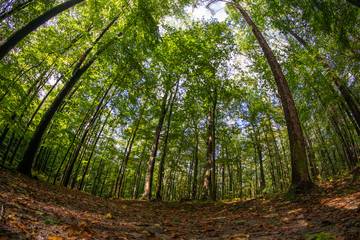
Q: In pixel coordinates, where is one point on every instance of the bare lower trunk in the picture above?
(205, 191)
(300, 182)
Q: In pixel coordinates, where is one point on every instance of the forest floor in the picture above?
(31, 209)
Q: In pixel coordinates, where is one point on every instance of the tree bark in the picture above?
(300, 182)
(196, 163)
(31, 26)
(162, 161)
(213, 175)
(205, 190)
(150, 171)
(128, 151)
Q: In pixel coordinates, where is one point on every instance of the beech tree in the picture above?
(113, 97)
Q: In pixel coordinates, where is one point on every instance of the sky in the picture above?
(203, 12)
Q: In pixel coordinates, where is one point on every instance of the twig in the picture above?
(2, 213)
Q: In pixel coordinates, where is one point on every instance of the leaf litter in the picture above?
(31, 209)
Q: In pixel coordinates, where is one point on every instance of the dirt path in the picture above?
(32, 209)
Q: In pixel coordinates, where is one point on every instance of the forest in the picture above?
(139, 111)
(139, 100)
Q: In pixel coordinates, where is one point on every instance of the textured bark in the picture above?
(300, 181)
(150, 171)
(25, 30)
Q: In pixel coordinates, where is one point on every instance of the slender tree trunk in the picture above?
(16, 8)
(128, 151)
(213, 175)
(93, 150)
(259, 151)
(163, 155)
(205, 190)
(98, 173)
(196, 163)
(150, 171)
(355, 2)
(345, 92)
(31, 26)
(84, 135)
(300, 182)
(28, 158)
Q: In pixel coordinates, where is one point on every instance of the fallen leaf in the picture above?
(174, 235)
(86, 234)
(51, 237)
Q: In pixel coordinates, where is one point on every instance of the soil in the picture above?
(31, 209)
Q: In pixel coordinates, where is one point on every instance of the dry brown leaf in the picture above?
(86, 234)
(174, 235)
(52, 237)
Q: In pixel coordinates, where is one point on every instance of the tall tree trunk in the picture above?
(205, 190)
(28, 158)
(128, 151)
(163, 155)
(150, 171)
(93, 150)
(345, 92)
(259, 151)
(31, 26)
(83, 137)
(355, 2)
(300, 181)
(213, 175)
(196, 163)
(14, 9)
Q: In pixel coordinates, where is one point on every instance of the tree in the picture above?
(301, 182)
(8, 44)
(80, 68)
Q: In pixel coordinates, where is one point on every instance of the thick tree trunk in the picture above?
(300, 182)
(150, 171)
(25, 30)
